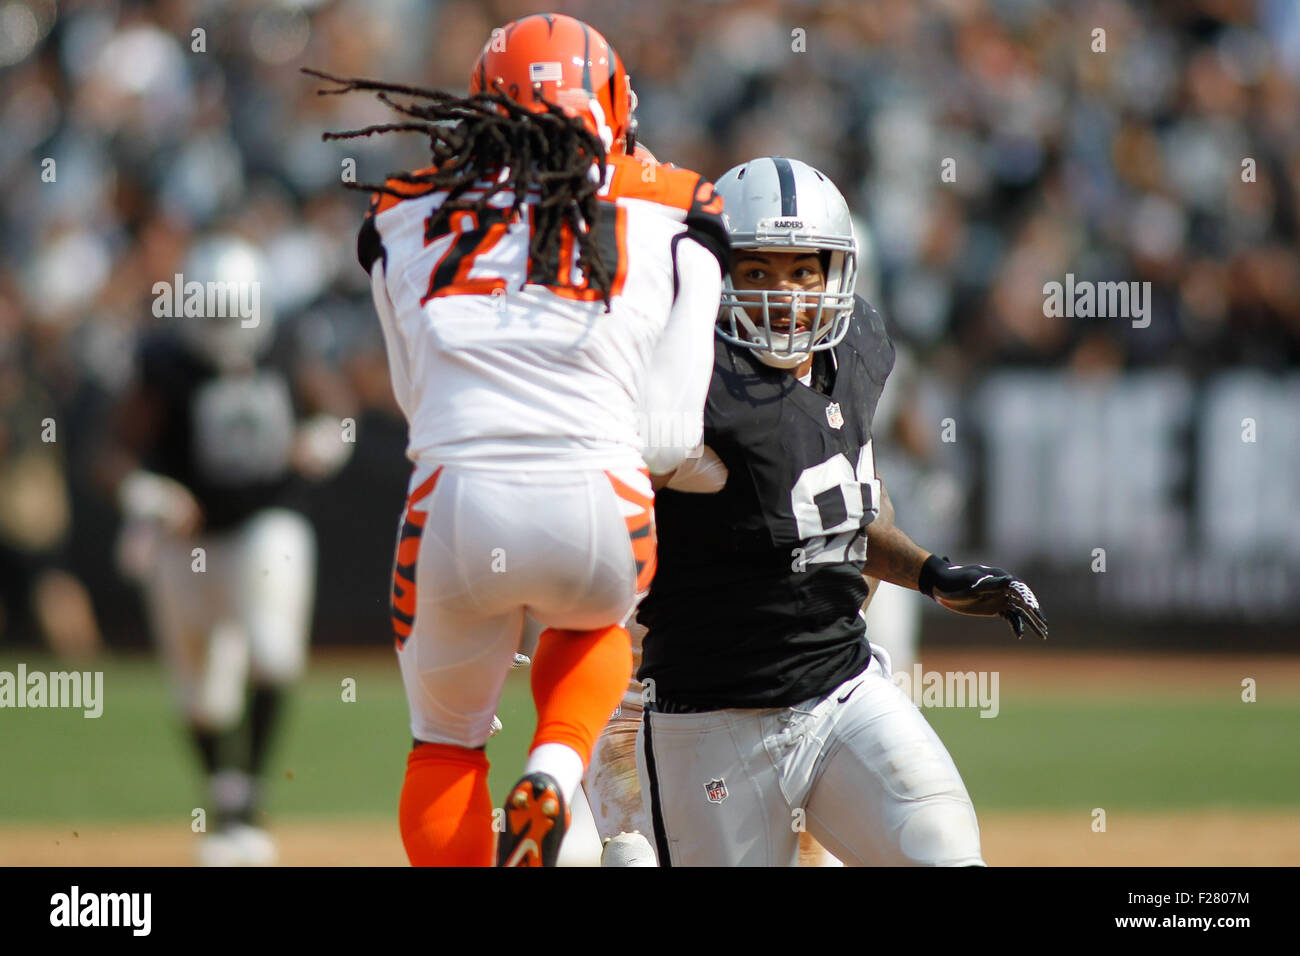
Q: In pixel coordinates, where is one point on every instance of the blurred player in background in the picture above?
(763, 696)
(211, 443)
(543, 294)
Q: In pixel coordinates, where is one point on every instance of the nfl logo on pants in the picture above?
(716, 790)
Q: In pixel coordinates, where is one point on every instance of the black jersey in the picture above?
(755, 602)
(227, 437)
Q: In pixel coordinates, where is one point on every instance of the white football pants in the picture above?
(478, 549)
(860, 769)
(233, 604)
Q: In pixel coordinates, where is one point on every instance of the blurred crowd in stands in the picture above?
(1145, 141)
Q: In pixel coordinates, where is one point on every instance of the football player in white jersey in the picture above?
(547, 301)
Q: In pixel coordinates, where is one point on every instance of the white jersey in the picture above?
(496, 371)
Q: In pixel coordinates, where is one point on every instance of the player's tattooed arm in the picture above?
(891, 555)
(967, 589)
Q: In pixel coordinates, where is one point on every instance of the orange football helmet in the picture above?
(556, 59)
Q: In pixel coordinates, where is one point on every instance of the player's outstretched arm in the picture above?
(678, 380)
(967, 589)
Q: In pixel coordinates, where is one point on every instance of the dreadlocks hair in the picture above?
(473, 139)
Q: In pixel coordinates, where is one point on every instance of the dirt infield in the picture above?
(1186, 838)
(1203, 838)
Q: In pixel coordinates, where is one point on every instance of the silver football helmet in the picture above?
(225, 319)
(783, 205)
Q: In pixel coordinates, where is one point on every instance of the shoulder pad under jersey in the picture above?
(683, 194)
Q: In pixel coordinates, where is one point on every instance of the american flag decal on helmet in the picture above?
(545, 72)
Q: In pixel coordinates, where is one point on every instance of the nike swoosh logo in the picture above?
(849, 694)
(525, 846)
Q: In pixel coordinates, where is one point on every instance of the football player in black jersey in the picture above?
(210, 448)
(767, 710)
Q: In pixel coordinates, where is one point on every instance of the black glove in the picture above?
(979, 589)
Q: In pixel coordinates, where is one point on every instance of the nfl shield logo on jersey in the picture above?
(834, 416)
(716, 790)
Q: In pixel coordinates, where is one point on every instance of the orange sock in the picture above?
(578, 678)
(446, 809)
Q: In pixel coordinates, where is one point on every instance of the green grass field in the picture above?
(335, 758)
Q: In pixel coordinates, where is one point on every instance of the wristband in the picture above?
(930, 574)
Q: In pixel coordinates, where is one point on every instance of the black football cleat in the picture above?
(536, 820)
